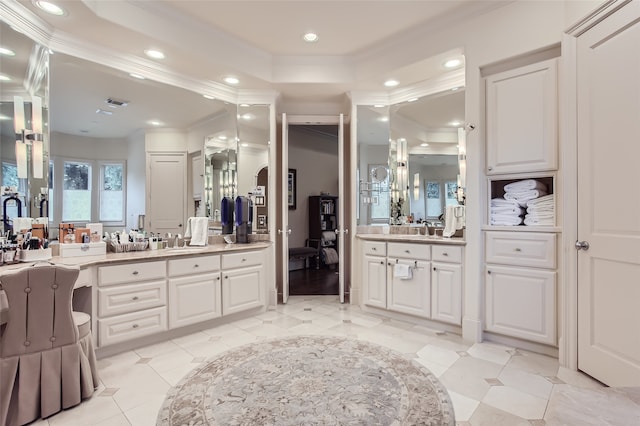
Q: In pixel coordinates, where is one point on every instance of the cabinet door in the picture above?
(374, 276)
(410, 296)
(194, 299)
(241, 289)
(166, 201)
(521, 302)
(521, 113)
(446, 292)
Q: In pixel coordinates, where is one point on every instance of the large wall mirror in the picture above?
(408, 158)
(24, 120)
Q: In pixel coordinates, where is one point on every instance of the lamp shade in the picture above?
(36, 114)
(18, 114)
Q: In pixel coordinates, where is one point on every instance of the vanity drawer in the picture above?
(411, 251)
(131, 272)
(132, 326)
(524, 249)
(240, 260)
(443, 253)
(116, 300)
(374, 248)
(193, 265)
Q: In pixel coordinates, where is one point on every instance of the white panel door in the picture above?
(522, 115)
(284, 231)
(410, 296)
(241, 289)
(341, 203)
(194, 299)
(374, 279)
(166, 192)
(446, 292)
(608, 201)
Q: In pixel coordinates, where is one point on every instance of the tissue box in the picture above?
(35, 255)
(80, 249)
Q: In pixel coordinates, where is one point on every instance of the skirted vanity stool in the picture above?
(47, 359)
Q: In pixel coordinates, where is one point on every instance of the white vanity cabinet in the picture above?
(242, 281)
(409, 295)
(194, 290)
(446, 284)
(132, 301)
(522, 119)
(374, 273)
(520, 283)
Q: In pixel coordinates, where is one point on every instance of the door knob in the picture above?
(582, 245)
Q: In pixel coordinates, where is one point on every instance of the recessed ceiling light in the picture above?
(222, 137)
(103, 112)
(383, 119)
(424, 144)
(50, 7)
(7, 52)
(454, 88)
(231, 80)
(155, 123)
(455, 123)
(244, 144)
(155, 54)
(378, 106)
(452, 63)
(245, 105)
(247, 116)
(310, 37)
(138, 76)
(4, 78)
(208, 97)
(391, 83)
(413, 99)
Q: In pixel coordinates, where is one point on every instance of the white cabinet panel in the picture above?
(442, 253)
(194, 299)
(374, 274)
(241, 260)
(131, 326)
(131, 272)
(120, 299)
(521, 114)
(241, 289)
(193, 265)
(410, 296)
(446, 292)
(521, 249)
(521, 302)
(374, 248)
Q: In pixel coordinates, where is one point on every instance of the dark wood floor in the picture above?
(303, 282)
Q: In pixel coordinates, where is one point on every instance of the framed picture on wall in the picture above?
(291, 189)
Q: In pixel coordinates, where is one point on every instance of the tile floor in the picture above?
(489, 384)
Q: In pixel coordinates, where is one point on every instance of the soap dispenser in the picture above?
(226, 215)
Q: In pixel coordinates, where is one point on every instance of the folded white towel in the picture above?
(328, 235)
(524, 195)
(500, 202)
(541, 208)
(505, 219)
(454, 219)
(541, 200)
(524, 185)
(403, 272)
(541, 215)
(197, 230)
(330, 256)
(515, 210)
(531, 221)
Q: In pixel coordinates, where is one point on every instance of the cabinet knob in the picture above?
(489, 272)
(407, 251)
(135, 298)
(381, 262)
(135, 272)
(226, 277)
(244, 260)
(445, 254)
(434, 268)
(196, 266)
(489, 168)
(374, 249)
(135, 326)
(518, 249)
(218, 278)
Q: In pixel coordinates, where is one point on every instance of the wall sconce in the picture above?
(416, 186)
(462, 164)
(402, 166)
(26, 137)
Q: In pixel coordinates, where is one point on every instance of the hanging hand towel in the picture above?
(402, 271)
(197, 230)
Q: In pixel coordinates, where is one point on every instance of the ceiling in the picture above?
(361, 44)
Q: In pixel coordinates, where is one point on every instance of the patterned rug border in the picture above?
(297, 342)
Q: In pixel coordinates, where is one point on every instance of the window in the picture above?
(76, 192)
(112, 193)
(439, 195)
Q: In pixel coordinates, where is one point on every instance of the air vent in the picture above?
(104, 112)
(116, 103)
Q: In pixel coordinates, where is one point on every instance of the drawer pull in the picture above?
(218, 278)
(374, 249)
(135, 272)
(135, 298)
(434, 268)
(135, 326)
(445, 254)
(518, 249)
(244, 260)
(196, 266)
(226, 277)
(382, 262)
(489, 272)
(407, 251)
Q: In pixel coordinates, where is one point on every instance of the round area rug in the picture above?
(308, 380)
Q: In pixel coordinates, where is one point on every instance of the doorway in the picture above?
(313, 213)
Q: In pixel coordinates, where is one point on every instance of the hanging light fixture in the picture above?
(462, 163)
(26, 137)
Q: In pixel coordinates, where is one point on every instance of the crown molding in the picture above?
(448, 81)
(602, 12)
(26, 22)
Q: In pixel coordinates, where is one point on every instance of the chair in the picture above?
(47, 359)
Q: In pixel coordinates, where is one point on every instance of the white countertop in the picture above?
(422, 239)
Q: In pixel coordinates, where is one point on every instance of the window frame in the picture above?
(101, 165)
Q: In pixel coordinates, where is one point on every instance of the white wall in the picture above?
(317, 171)
(136, 179)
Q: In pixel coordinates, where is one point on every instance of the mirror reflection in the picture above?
(416, 142)
(24, 74)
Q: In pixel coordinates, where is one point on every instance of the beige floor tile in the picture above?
(486, 415)
(463, 406)
(515, 402)
(118, 420)
(439, 355)
(577, 378)
(173, 377)
(526, 382)
(157, 349)
(467, 376)
(190, 338)
(89, 412)
(534, 363)
(490, 352)
(437, 369)
(146, 414)
(165, 362)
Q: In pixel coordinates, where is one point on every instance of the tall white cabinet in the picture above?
(522, 143)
